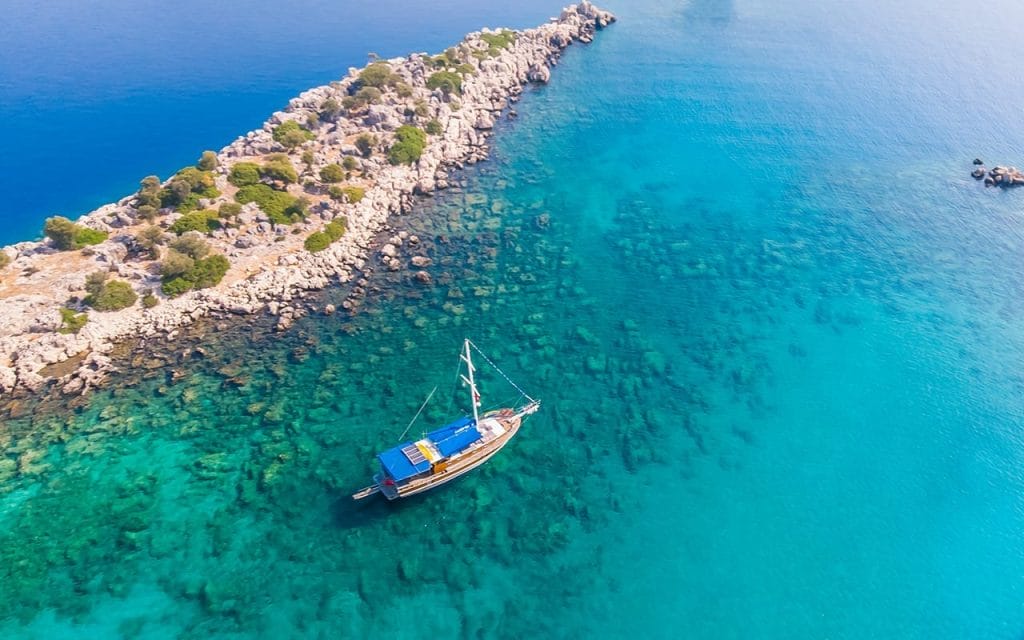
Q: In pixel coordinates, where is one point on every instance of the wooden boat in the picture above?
(454, 449)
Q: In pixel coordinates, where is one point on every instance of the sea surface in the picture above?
(733, 246)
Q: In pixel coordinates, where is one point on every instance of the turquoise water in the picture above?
(775, 326)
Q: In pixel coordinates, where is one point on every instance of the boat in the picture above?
(460, 446)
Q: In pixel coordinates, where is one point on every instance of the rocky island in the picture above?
(285, 209)
(999, 176)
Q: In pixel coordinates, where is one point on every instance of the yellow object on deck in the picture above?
(428, 452)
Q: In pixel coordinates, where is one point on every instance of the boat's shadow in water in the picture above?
(353, 514)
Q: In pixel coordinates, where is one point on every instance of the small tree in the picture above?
(332, 173)
(365, 143)
(191, 244)
(244, 174)
(149, 193)
(67, 235)
(330, 110)
(94, 283)
(291, 134)
(149, 239)
(368, 95)
(377, 75)
(148, 212)
(61, 232)
(175, 264)
(208, 161)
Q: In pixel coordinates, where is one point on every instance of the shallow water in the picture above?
(774, 324)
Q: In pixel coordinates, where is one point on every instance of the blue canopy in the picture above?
(455, 437)
(398, 465)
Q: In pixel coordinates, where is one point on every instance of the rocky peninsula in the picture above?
(286, 209)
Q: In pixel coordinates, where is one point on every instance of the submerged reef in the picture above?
(231, 235)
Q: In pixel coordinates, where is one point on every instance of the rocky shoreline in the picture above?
(270, 268)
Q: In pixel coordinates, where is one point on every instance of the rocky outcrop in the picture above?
(999, 176)
(269, 265)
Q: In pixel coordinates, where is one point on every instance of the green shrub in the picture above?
(378, 75)
(320, 240)
(291, 134)
(280, 206)
(67, 235)
(403, 90)
(332, 173)
(501, 40)
(422, 109)
(434, 127)
(335, 229)
(149, 300)
(365, 143)
(317, 241)
(86, 236)
(447, 81)
(408, 146)
(279, 167)
(70, 321)
(112, 295)
(230, 210)
(5, 259)
(244, 174)
(350, 163)
(203, 221)
(175, 287)
(352, 193)
(208, 271)
(465, 69)
(312, 120)
(203, 273)
(207, 162)
(186, 188)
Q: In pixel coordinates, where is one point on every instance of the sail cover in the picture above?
(455, 437)
(396, 463)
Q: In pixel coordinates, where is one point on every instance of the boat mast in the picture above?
(474, 395)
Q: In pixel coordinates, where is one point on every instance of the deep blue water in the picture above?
(775, 323)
